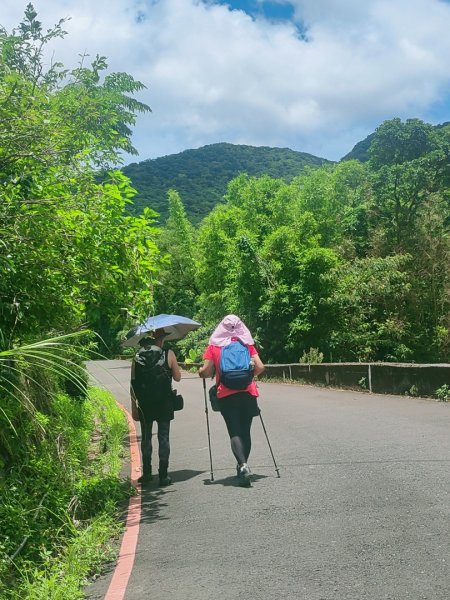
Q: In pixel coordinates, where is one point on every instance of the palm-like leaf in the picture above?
(58, 356)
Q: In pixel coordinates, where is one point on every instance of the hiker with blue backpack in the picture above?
(232, 356)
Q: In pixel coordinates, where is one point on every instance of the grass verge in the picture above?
(63, 504)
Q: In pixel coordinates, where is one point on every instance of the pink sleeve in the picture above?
(252, 350)
(208, 353)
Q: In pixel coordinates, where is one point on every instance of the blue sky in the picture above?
(276, 11)
(312, 75)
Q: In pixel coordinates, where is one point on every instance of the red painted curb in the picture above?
(124, 566)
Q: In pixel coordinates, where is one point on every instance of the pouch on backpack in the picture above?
(215, 402)
(177, 400)
(236, 371)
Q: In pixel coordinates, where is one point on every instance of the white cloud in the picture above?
(215, 74)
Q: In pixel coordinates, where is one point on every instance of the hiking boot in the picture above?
(244, 475)
(165, 480)
(145, 478)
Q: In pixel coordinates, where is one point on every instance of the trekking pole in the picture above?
(270, 447)
(207, 427)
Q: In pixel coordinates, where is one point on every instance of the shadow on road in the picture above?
(232, 480)
(152, 494)
(184, 475)
(151, 504)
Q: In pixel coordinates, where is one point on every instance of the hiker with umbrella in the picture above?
(152, 372)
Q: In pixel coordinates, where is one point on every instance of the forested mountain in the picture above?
(201, 176)
(360, 151)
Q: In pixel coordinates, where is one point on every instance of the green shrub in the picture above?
(65, 480)
(313, 356)
(443, 393)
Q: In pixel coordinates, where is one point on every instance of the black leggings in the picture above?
(238, 411)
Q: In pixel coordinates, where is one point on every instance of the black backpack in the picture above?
(151, 371)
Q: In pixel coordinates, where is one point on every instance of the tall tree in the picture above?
(176, 291)
(338, 197)
(70, 254)
(396, 142)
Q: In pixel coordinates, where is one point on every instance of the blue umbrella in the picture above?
(175, 326)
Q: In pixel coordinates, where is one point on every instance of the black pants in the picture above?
(146, 443)
(238, 411)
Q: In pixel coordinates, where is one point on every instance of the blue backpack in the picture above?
(236, 371)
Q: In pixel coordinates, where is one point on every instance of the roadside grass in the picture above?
(64, 577)
(62, 507)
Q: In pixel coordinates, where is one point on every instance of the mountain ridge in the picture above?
(201, 175)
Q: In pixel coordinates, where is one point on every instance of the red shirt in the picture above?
(213, 353)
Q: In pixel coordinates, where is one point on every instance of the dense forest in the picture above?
(201, 176)
(346, 261)
(349, 261)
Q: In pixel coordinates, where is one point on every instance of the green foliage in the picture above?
(56, 489)
(312, 356)
(70, 254)
(201, 176)
(176, 290)
(192, 357)
(68, 244)
(363, 383)
(395, 142)
(30, 378)
(258, 256)
(413, 391)
(345, 258)
(370, 299)
(62, 577)
(338, 197)
(443, 393)
(191, 348)
(97, 495)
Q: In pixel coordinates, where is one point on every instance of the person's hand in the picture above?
(206, 369)
(134, 406)
(135, 412)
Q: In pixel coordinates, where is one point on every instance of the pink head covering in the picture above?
(230, 327)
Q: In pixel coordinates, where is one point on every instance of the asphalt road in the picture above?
(361, 510)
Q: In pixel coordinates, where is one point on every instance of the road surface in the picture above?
(361, 510)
